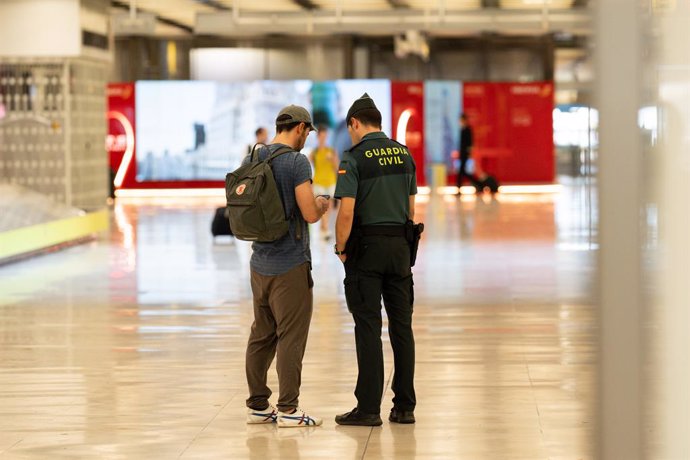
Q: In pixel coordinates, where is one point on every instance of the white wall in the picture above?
(314, 62)
(227, 64)
(287, 65)
(38, 28)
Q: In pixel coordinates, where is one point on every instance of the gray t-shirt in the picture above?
(278, 257)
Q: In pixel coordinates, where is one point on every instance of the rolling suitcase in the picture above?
(491, 183)
(221, 224)
(485, 182)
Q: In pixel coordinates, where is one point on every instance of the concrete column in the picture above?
(621, 231)
(644, 61)
(361, 58)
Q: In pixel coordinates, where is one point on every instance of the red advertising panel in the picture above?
(480, 104)
(530, 127)
(407, 101)
(121, 138)
(121, 144)
(513, 129)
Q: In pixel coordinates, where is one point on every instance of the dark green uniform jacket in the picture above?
(381, 175)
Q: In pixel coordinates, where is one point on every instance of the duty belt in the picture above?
(410, 231)
(383, 230)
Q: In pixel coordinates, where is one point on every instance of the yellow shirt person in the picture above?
(324, 172)
(325, 161)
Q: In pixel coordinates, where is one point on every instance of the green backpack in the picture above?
(254, 206)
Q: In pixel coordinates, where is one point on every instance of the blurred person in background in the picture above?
(261, 137)
(325, 161)
(466, 145)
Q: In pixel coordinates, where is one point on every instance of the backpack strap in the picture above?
(282, 150)
(254, 156)
(253, 151)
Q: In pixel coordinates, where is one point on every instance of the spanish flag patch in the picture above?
(342, 171)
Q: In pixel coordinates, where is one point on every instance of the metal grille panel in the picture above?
(52, 129)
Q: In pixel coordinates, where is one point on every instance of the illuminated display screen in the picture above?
(199, 131)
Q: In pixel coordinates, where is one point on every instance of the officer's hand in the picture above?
(342, 257)
(322, 203)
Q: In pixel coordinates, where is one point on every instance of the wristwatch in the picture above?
(338, 253)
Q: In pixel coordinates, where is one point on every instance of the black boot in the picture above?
(358, 418)
(401, 416)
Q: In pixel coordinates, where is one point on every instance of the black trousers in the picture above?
(380, 268)
(462, 173)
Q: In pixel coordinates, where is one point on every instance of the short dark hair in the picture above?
(259, 130)
(463, 116)
(322, 128)
(368, 117)
(286, 127)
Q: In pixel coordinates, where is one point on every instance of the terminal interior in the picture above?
(550, 318)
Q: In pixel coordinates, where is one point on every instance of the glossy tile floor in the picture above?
(132, 347)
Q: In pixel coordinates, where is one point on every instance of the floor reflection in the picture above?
(133, 346)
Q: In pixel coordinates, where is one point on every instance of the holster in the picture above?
(410, 231)
(413, 233)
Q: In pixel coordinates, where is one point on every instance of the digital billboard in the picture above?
(195, 130)
(199, 131)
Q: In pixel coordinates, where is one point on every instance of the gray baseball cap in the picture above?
(294, 114)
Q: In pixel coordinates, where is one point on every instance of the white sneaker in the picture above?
(299, 418)
(268, 415)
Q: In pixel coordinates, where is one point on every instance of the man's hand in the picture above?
(342, 257)
(322, 203)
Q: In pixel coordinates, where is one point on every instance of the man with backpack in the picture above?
(280, 266)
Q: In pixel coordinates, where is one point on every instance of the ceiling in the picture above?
(242, 17)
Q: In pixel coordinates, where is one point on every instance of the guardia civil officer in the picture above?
(377, 187)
